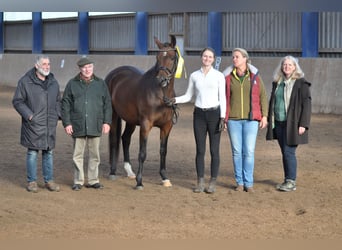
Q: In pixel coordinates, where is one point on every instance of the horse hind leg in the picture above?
(126, 142)
(114, 145)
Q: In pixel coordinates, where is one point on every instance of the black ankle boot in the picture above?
(212, 186)
(200, 186)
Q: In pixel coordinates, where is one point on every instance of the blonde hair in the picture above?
(243, 52)
(279, 74)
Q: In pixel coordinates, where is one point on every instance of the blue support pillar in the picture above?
(2, 33)
(310, 29)
(215, 31)
(83, 33)
(141, 34)
(37, 29)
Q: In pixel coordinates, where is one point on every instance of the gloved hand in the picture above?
(169, 101)
(221, 125)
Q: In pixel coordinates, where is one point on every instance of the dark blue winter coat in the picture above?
(41, 100)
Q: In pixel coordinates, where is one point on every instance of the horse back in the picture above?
(136, 96)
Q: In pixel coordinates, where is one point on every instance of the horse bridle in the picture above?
(169, 72)
(165, 82)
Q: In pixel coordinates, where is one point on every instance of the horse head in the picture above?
(167, 60)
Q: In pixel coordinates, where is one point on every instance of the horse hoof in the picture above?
(166, 183)
(139, 187)
(132, 177)
(112, 177)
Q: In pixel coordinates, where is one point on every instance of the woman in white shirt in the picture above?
(208, 86)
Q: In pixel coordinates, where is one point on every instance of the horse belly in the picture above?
(125, 106)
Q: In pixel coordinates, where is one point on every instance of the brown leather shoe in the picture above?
(52, 186)
(239, 188)
(32, 187)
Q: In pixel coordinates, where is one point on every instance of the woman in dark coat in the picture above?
(37, 100)
(289, 115)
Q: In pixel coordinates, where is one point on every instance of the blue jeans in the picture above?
(288, 152)
(243, 134)
(47, 165)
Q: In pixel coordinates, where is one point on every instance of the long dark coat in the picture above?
(42, 100)
(298, 113)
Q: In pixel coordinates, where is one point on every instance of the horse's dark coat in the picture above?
(137, 99)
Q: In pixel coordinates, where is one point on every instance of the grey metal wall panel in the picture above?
(158, 26)
(177, 23)
(60, 35)
(112, 33)
(262, 32)
(161, 26)
(330, 34)
(197, 31)
(18, 36)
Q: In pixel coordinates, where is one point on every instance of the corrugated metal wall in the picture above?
(196, 33)
(158, 26)
(177, 23)
(330, 29)
(161, 26)
(18, 37)
(261, 33)
(115, 33)
(53, 32)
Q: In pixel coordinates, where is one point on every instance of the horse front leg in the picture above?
(164, 136)
(144, 132)
(141, 159)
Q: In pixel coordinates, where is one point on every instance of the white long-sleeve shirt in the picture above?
(209, 90)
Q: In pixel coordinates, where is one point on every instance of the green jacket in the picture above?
(86, 106)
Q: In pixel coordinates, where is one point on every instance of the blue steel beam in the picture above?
(215, 32)
(83, 33)
(37, 28)
(310, 34)
(141, 34)
(1, 32)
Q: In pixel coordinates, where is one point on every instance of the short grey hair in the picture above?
(40, 57)
(243, 52)
(279, 74)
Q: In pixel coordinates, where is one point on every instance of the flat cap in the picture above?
(84, 61)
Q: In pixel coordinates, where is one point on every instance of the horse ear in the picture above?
(173, 41)
(159, 43)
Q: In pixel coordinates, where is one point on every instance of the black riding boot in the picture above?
(200, 185)
(212, 186)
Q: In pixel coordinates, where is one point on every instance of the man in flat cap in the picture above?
(86, 115)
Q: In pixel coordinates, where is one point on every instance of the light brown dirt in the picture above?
(121, 212)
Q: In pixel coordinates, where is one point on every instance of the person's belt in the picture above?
(208, 109)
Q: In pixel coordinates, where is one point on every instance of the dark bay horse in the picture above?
(140, 99)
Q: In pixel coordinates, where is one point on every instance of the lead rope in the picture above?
(175, 113)
(173, 106)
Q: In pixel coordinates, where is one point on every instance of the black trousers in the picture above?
(206, 122)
